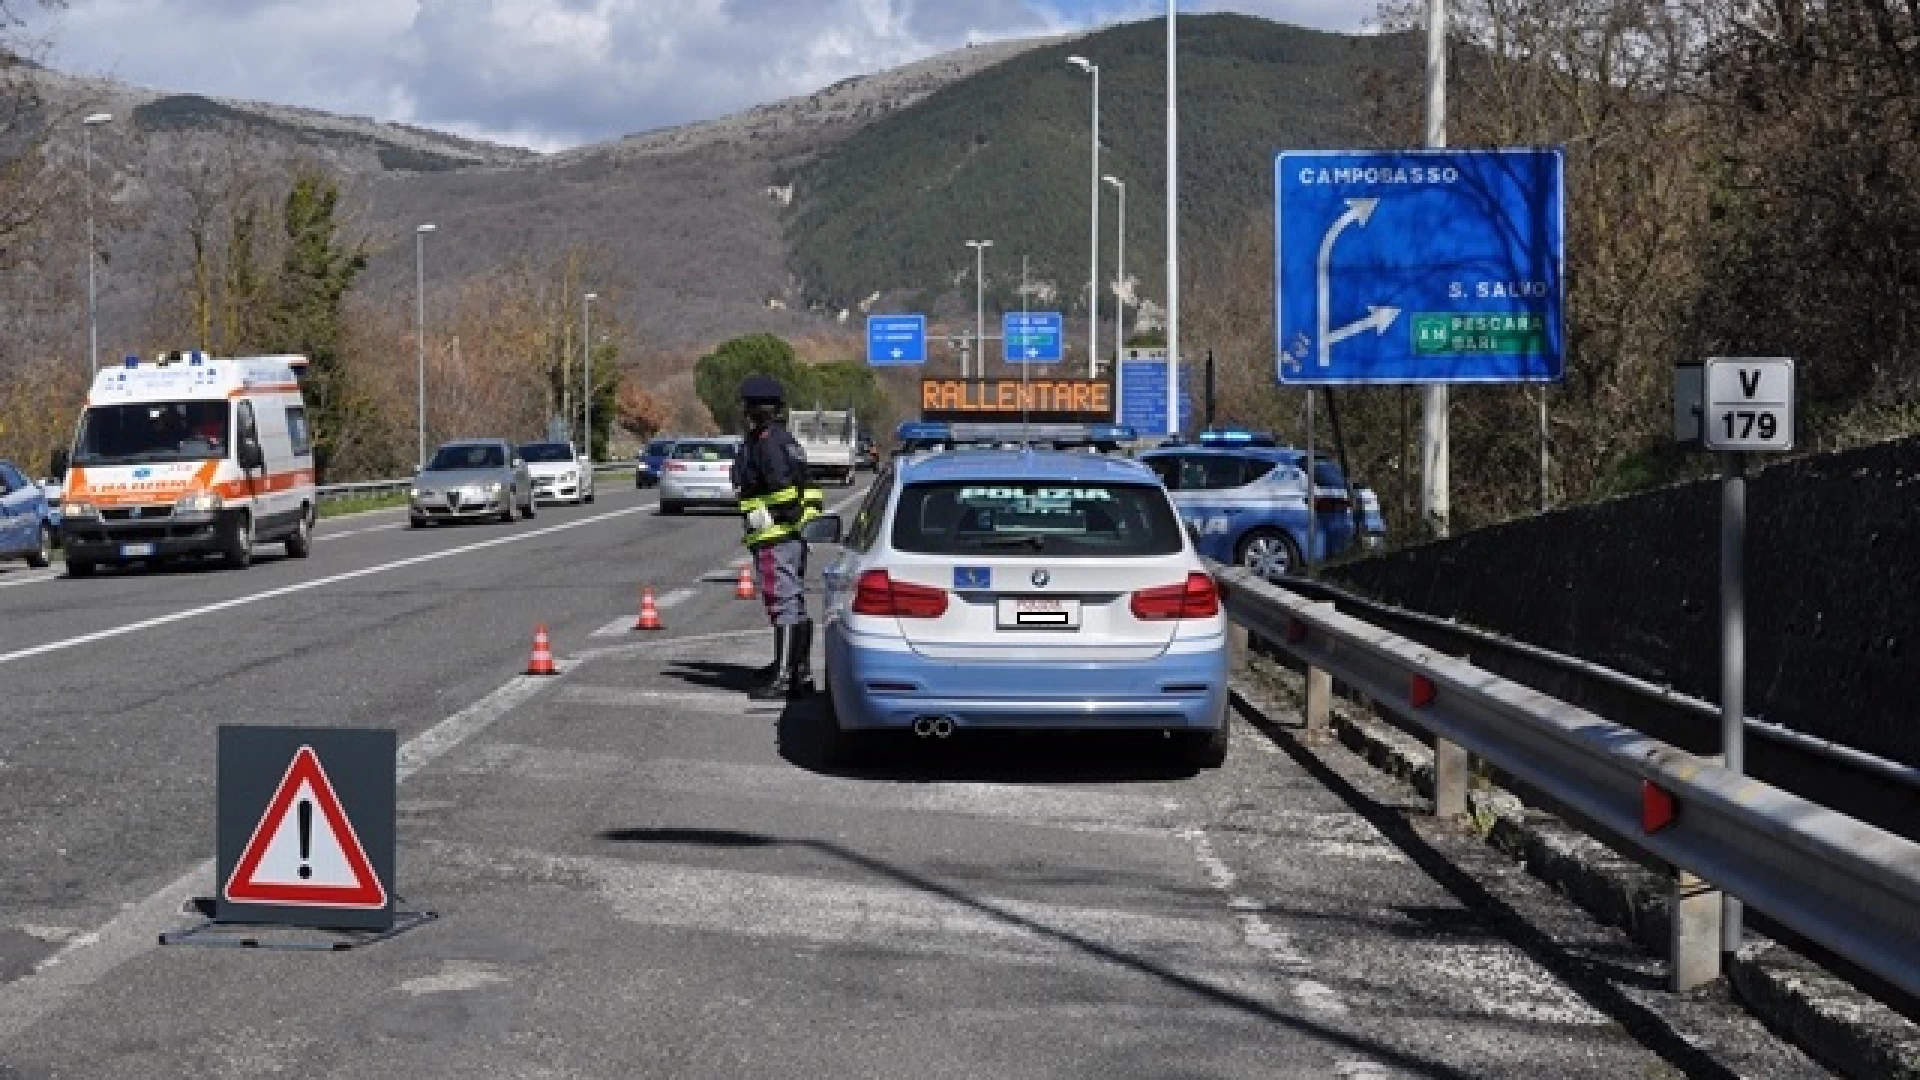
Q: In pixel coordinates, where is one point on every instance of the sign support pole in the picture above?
(1546, 454)
(1733, 652)
(1434, 510)
(1313, 516)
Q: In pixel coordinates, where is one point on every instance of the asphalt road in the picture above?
(638, 873)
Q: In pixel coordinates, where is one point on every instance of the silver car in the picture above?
(699, 472)
(471, 480)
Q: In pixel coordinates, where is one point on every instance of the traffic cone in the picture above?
(744, 589)
(649, 615)
(542, 662)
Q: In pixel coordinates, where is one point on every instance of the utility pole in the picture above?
(420, 314)
(1434, 511)
(979, 309)
(1093, 198)
(93, 304)
(586, 373)
(1119, 280)
(1173, 219)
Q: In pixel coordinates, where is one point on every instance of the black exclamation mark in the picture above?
(306, 838)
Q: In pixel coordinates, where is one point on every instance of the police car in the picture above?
(1246, 498)
(1021, 589)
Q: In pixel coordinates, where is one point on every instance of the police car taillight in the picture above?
(1194, 598)
(876, 593)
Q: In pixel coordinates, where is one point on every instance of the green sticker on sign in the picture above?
(1505, 334)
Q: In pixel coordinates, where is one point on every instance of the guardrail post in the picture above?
(1452, 769)
(1693, 934)
(1239, 648)
(1319, 705)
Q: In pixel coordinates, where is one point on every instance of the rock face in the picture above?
(1833, 552)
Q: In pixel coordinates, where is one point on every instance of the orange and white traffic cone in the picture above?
(743, 590)
(542, 662)
(649, 615)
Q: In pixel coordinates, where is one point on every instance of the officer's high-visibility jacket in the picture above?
(771, 474)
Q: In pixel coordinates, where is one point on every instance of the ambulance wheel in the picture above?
(528, 511)
(77, 568)
(42, 557)
(238, 547)
(300, 544)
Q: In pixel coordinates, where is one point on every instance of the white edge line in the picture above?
(305, 586)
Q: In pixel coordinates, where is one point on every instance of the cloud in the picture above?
(556, 73)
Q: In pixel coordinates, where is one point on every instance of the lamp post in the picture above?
(979, 307)
(586, 369)
(1119, 275)
(1093, 197)
(420, 322)
(1173, 220)
(93, 309)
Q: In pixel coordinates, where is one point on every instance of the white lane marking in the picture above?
(307, 586)
(1360, 1070)
(714, 704)
(89, 958)
(621, 627)
(31, 577)
(362, 532)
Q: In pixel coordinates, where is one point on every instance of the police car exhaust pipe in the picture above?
(923, 726)
(942, 727)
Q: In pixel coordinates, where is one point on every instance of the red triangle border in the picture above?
(369, 893)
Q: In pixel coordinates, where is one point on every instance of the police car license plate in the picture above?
(1039, 613)
(136, 551)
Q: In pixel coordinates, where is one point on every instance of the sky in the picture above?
(550, 74)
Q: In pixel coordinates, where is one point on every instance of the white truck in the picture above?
(830, 438)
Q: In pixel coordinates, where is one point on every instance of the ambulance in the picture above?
(186, 455)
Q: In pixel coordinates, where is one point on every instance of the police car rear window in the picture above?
(1084, 520)
(705, 451)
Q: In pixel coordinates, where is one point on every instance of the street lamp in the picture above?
(420, 316)
(93, 311)
(1093, 197)
(586, 376)
(1119, 274)
(979, 307)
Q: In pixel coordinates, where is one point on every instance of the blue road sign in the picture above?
(1032, 337)
(1143, 398)
(896, 339)
(1420, 266)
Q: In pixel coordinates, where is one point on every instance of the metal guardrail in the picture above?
(1844, 884)
(384, 487)
(1860, 785)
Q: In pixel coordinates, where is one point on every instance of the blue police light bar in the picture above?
(921, 429)
(133, 360)
(1236, 437)
(1111, 433)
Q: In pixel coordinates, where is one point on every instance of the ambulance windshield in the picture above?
(152, 431)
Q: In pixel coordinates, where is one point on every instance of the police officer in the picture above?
(777, 497)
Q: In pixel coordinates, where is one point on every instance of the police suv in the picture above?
(1246, 499)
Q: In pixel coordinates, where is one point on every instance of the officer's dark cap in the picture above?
(759, 388)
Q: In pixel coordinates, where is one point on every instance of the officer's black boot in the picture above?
(777, 685)
(801, 660)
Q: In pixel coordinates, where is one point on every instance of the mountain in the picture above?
(689, 218)
(784, 218)
(1004, 156)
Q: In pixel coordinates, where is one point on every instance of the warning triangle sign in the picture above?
(304, 852)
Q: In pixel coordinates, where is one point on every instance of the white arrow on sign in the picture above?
(898, 352)
(1379, 317)
(1032, 352)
